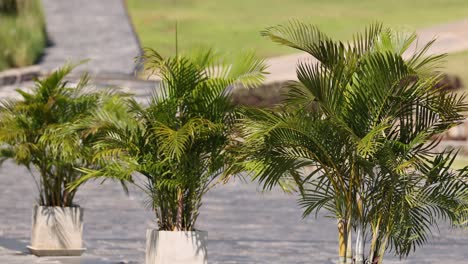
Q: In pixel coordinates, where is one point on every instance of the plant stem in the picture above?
(375, 235)
(359, 254)
(360, 244)
(349, 251)
(382, 248)
(342, 240)
(180, 210)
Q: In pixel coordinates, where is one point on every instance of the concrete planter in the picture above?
(173, 247)
(57, 231)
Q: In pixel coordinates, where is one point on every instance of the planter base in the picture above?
(56, 252)
(57, 231)
(172, 247)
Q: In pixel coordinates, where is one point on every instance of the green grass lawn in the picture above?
(230, 25)
(22, 35)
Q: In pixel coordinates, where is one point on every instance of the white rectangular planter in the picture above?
(57, 231)
(174, 247)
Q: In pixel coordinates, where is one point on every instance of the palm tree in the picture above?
(178, 141)
(30, 133)
(357, 133)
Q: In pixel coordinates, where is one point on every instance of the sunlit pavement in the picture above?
(244, 225)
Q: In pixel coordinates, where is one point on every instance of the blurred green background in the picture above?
(22, 34)
(230, 26)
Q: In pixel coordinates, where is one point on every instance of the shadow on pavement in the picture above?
(14, 245)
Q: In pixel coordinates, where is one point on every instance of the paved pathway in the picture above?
(89, 29)
(451, 37)
(245, 227)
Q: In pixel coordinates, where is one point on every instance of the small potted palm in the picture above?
(177, 142)
(30, 134)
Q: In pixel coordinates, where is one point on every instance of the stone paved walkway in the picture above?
(88, 29)
(245, 227)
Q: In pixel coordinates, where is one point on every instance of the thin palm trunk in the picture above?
(349, 250)
(359, 254)
(382, 248)
(375, 235)
(342, 240)
(359, 244)
(180, 210)
(373, 254)
(65, 195)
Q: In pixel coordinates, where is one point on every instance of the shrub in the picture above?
(178, 141)
(22, 33)
(32, 134)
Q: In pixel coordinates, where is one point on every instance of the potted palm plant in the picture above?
(30, 134)
(358, 136)
(177, 142)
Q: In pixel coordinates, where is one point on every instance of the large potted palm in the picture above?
(30, 134)
(358, 136)
(177, 142)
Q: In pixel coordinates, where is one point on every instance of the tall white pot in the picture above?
(57, 231)
(176, 247)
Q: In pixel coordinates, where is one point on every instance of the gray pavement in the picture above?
(140, 89)
(88, 29)
(245, 226)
